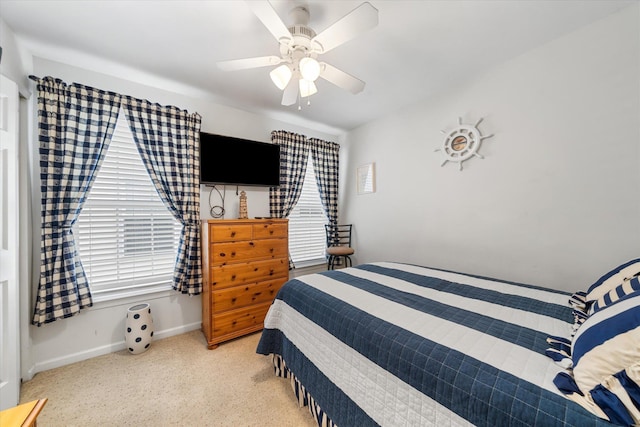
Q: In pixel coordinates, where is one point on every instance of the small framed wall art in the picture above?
(366, 178)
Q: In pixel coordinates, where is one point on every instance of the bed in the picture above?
(404, 345)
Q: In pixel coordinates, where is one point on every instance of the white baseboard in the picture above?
(105, 349)
(183, 329)
(29, 374)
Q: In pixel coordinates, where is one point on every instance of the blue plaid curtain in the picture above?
(75, 125)
(294, 153)
(325, 157)
(168, 140)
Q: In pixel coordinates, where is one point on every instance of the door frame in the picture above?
(9, 245)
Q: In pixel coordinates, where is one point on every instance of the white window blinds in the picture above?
(307, 241)
(127, 239)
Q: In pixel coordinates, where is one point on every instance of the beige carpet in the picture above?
(176, 382)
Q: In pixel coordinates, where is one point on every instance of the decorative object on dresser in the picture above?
(244, 264)
(244, 213)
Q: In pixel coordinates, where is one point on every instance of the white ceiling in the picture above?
(418, 48)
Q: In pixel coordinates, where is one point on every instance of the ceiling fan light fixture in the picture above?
(281, 76)
(297, 67)
(307, 88)
(309, 68)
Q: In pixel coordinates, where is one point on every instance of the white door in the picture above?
(9, 318)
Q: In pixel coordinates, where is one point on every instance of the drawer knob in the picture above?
(251, 243)
(222, 254)
(233, 234)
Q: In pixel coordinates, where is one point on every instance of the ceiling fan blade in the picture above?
(355, 22)
(290, 95)
(267, 14)
(243, 64)
(340, 78)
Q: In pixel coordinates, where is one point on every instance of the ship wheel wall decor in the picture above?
(462, 143)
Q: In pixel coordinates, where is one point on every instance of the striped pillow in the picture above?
(605, 347)
(613, 278)
(619, 293)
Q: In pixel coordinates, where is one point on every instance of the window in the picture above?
(127, 239)
(307, 240)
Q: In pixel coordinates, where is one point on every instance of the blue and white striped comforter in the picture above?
(401, 345)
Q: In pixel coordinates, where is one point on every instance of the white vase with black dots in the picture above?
(139, 328)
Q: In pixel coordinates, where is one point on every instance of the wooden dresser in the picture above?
(244, 264)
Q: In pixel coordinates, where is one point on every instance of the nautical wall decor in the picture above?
(461, 143)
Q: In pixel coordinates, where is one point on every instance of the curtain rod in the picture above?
(34, 78)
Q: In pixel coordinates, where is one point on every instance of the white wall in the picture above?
(100, 329)
(555, 202)
(14, 61)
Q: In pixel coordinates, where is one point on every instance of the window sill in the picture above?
(310, 263)
(309, 269)
(123, 296)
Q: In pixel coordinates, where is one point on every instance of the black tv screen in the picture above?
(237, 161)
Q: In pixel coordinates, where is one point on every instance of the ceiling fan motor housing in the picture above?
(302, 31)
(301, 35)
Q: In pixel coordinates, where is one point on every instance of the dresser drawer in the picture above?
(226, 276)
(235, 321)
(246, 295)
(269, 230)
(248, 250)
(229, 233)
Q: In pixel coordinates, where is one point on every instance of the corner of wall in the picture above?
(16, 62)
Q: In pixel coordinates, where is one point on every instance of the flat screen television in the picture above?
(237, 161)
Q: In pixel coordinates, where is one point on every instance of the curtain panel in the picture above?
(325, 157)
(294, 152)
(75, 125)
(168, 140)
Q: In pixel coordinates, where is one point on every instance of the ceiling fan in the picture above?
(297, 67)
